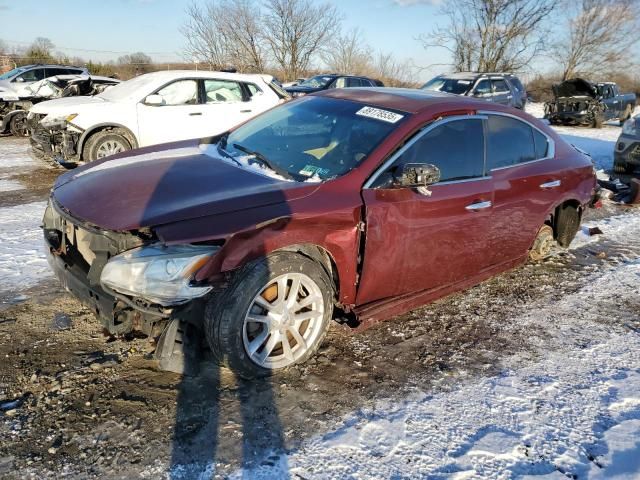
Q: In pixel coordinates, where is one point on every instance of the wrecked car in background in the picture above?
(580, 102)
(14, 108)
(150, 109)
(357, 204)
(626, 157)
(14, 81)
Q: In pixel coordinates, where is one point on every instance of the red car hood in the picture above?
(165, 184)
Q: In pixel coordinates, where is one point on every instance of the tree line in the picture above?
(295, 38)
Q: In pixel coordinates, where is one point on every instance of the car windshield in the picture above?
(11, 73)
(129, 90)
(313, 139)
(316, 82)
(458, 86)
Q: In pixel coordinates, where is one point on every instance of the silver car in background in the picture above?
(502, 88)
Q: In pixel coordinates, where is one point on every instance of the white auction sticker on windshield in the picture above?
(379, 114)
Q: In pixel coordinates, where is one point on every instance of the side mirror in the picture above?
(417, 175)
(154, 100)
(19, 80)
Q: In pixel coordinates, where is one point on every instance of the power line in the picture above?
(115, 52)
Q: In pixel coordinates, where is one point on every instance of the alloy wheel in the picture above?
(283, 321)
(110, 147)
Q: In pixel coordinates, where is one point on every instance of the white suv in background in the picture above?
(155, 108)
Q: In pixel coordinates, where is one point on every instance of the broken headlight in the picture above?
(157, 273)
(629, 127)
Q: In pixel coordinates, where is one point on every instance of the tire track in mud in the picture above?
(105, 411)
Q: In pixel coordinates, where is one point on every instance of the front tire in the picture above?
(18, 125)
(274, 313)
(104, 144)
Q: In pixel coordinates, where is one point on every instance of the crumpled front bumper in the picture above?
(77, 254)
(56, 143)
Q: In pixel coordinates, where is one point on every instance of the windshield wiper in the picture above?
(223, 152)
(265, 161)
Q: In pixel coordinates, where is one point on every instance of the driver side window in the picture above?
(31, 75)
(455, 147)
(182, 92)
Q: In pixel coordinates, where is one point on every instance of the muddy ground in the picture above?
(77, 403)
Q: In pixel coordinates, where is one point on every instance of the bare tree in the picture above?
(296, 31)
(599, 37)
(205, 40)
(40, 50)
(225, 33)
(241, 28)
(393, 72)
(348, 53)
(135, 64)
(492, 35)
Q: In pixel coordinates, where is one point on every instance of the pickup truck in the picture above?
(580, 102)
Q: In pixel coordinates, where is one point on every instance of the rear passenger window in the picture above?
(442, 147)
(253, 89)
(509, 142)
(542, 144)
(500, 86)
(222, 91)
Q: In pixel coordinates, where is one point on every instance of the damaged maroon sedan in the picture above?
(353, 204)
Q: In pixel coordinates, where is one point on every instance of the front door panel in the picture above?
(416, 242)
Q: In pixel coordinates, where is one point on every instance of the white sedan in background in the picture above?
(154, 108)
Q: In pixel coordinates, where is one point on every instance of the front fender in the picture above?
(257, 232)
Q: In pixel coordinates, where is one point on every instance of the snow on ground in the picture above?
(574, 414)
(22, 254)
(9, 185)
(15, 153)
(621, 227)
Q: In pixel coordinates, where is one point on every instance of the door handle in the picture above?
(245, 111)
(478, 206)
(552, 184)
(193, 114)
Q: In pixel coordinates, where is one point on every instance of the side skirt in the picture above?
(380, 310)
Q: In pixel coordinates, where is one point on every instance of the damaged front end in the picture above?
(127, 279)
(576, 102)
(55, 138)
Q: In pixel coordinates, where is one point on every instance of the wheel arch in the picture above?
(101, 127)
(554, 218)
(320, 255)
(6, 120)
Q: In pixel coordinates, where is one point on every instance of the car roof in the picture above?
(167, 75)
(57, 65)
(409, 100)
(474, 75)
